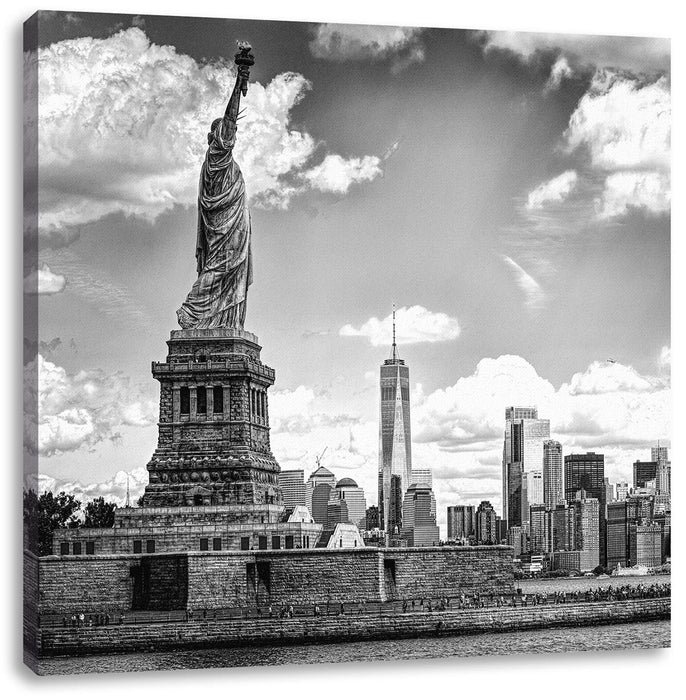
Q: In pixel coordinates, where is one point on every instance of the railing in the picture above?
(333, 608)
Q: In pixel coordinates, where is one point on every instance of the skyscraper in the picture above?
(486, 532)
(395, 449)
(352, 495)
(422, 476)
(317, 491)
(525, 434)
(664, 469)
(587, 535)
(419, 519)
(553, 478)
(643, 473)
(587, 472)
(292, 483)
(460, 522)
(622, 490)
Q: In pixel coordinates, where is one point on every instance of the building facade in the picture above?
(461, 523)
(553, 474)
(292, 483)
(395, 439)
(486, 526)
(419, 527)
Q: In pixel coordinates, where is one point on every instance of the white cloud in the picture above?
(79, 410)
(638, 54)
(113, 489)
(359, 42)
(610, 377)
(624, 125)
(123, 123)
(553, 191)
(414, 324)
(533, 292)
(560, 70)
(634, 190)
(44, 281)
(665, 359)
(336, 174)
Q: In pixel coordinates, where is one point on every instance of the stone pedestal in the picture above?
(213, 446)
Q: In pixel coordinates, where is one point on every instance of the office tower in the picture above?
(419, 527)
(587, 472)
(336, 511)
(643, 473)
(553, 476)
(563, 528)
(292, 483)
(645, 544)
(486, 531)
(525, 434)
(617, 534)
(622, 490)
(518, 538)
(540, 528)
(422, 476)
(660, 455)
(395, 449)
(352, 495)
(460, 523)
(587, 534)
(609, 492)
(372, 518)
(319, 477)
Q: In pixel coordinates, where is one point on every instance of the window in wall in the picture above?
(201, 395)
(218, 396)
(185, 400)
(90, 547)
(289, 541)
(217, 544)
(64, 547)
(245, 543)
(77, 548)
(276, 542)
(262, 542)
(137, 546)
(204, 544)
(150, 546)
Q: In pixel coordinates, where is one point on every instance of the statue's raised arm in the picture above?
(218, 297)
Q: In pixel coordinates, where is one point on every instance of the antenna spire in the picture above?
(395, 355)
(128, 503)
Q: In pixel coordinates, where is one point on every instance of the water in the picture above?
(568, 585)
(640, 635)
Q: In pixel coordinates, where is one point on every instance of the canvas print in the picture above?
(342, 342)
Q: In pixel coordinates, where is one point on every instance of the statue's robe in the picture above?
(218, 297)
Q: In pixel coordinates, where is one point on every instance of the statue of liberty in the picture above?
(218, 297)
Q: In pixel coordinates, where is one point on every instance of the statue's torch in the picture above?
(244, 59)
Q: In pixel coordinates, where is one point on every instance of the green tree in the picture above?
(46, 513)
(99, 513)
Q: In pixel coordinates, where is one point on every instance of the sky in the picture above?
(508, 192)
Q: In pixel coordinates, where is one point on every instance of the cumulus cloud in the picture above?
(122, 126)
(665, 359)
(44, 281)
(560, 70)
(113, 489)
(414, 324)
(534, 296)
(623, 124)
(359, 42)
(79, 410)
(610, 377)
(637, 54)
(336, 174)
(553, 191)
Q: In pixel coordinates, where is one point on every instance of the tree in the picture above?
(99, 513)
(46, 513)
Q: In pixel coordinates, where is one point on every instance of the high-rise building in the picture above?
(336, 511)
(292, 483)
(419, 527)
(525, 434)
(586, 472)
(663, 475)
(617, 534)
(609, 492)
(643, 473)
(423, 477)
(460, 523)
(395, 447)
(587, 535)
(372, 518)
(645, 544)
(622, 490)
(518, 538)
(486, 529)
(319, 477)
(553, 474)
(659, 454)
(540, 528)
(563, 528)
(352, 495)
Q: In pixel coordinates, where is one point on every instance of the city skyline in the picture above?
(481, 316)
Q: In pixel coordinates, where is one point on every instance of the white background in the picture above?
(641, 674)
